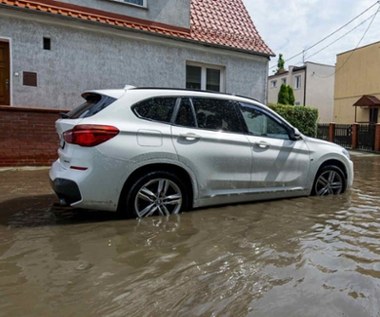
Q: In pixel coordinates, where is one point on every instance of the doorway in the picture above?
(4, 74)
(373, 115)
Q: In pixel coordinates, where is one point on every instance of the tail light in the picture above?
(90, 134)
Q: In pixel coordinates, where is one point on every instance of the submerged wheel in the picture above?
(330, 180)
(156, 193)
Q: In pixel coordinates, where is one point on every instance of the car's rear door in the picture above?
(207, 138)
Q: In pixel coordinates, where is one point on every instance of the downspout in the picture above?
(304, 90)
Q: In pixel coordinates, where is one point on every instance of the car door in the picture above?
(279, 163)
(208, 140)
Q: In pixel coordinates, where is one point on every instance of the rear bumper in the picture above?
(66, 190)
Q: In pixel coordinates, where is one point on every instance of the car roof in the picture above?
(118, 93)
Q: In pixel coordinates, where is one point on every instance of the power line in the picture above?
(345, 34)
(336, 31)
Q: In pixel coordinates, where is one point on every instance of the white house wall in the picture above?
(320, 90)
(88, 56)
(172, 12)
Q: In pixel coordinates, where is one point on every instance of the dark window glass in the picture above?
(193, 77)
(138, 2)
(261, 124)
(217, 114)
(213, 79)
(46, 43)
(185, 115)
(94, 104)
(158, 109)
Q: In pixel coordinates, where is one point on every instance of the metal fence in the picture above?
(363, 136)
(343, 135)
(323, 131)
(366, 137)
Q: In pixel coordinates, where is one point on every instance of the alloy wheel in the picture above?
(159, 196)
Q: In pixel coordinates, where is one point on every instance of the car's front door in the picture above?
(207, 137)
(279, 163)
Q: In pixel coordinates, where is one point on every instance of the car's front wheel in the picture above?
(156, 193)
(330, 180)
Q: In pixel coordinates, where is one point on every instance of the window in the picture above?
(204, 77)
(283, 81)
(185, 115)
(140, 3)
(273, 84)
(261, 124)
(46, 43)
(217, 114)
(297, 82)
(157, 109)
(94, 104)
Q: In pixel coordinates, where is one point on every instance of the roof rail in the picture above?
(127, 87)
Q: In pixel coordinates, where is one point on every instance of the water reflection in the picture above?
(298, 257)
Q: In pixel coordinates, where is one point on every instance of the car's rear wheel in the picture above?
(330, 180)
(156, 193)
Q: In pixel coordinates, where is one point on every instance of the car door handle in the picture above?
(190, 136)
(262, 145)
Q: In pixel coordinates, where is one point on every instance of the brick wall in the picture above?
(27, 136)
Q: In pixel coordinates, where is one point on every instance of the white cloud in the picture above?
(289, 27)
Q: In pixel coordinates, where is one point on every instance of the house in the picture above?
(313, 86)
(52, 50)
(357, 85)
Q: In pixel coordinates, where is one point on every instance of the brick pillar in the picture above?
(355, 136)
(377, 138)
(332, 131)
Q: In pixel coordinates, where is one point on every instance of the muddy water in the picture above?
(298, 257)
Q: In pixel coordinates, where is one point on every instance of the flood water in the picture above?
(301, 257)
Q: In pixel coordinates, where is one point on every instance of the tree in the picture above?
(286, 95)
(291, 99)
(280, 64)
(283, 95)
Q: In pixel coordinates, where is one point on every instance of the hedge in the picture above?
(303, 118)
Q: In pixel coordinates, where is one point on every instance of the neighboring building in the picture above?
(313, 86)
(50, 51)
(357, 85)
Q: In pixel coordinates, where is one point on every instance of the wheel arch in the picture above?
(153, 167)
(336, 163)
(332, 162)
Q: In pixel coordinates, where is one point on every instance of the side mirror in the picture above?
(295, 134)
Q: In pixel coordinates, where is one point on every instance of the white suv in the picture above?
(149, 151)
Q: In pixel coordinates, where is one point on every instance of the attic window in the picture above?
(140, 3)
(46, 43)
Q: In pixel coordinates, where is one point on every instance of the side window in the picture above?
(217, 114)
(261, 124)
(185, 115)
(157, 109)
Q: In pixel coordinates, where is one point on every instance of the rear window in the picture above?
(157, 109)
(94, 103)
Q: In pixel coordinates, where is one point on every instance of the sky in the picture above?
(293, 26)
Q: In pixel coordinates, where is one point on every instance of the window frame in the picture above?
(297, 82)
(204, 67)
(144, 5)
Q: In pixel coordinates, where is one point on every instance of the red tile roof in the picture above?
(227, 23)
(223, 23)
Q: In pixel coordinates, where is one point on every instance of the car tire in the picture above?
(330, 180)
(156, 193)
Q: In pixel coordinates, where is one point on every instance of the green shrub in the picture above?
(303, 118)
